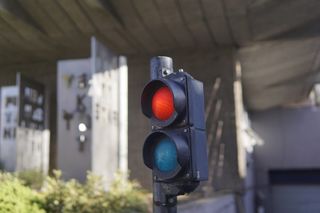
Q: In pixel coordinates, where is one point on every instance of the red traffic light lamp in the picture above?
(163, 101)
(162, 104)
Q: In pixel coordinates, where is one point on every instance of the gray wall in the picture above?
(204, 66)
(290, 141)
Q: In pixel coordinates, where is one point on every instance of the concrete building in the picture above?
(275, 45)
(287, 162)
(92, 115)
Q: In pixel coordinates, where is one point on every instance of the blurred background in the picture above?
(71, 75)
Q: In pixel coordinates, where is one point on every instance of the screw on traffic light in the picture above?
(175, 149)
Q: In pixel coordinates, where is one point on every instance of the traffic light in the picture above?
(175, 149)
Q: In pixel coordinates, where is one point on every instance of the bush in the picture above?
(70, 197)
(15, 197)
(31, 178)
(126, 197)
(57, 196)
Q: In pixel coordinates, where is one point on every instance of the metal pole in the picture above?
(162, 202)
(160, 67)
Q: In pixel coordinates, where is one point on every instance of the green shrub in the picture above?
(68, 197)
(15, 197)
(72, 197)
(31, 178)
(126, 196)
(57, 196)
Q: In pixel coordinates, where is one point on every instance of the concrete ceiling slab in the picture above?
(277, 40)
(278, 72)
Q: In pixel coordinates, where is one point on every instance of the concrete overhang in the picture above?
(277, 40)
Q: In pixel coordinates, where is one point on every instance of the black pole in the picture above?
(162, 202)
(160, 67)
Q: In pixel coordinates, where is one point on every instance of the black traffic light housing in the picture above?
(182, 124)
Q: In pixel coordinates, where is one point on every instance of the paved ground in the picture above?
(221, 204)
